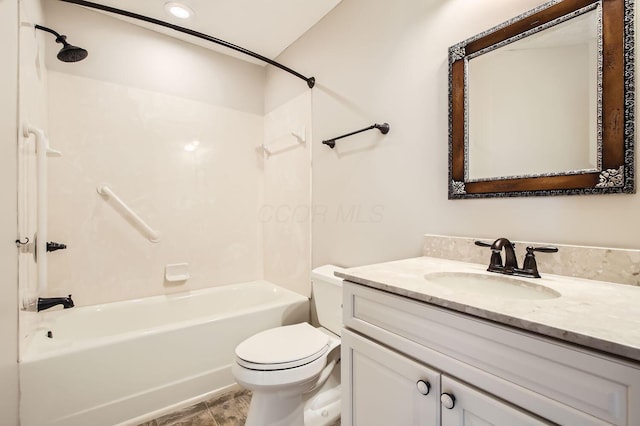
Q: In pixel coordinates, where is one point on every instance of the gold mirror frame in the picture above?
(615, 89)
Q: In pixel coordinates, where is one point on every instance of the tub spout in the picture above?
(49, 302)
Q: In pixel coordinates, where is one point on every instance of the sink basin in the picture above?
(491, 285)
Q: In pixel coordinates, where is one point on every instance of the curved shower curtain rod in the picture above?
(311, 81)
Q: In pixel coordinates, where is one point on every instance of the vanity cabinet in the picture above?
(405, 362)
(464, 405)
(387, 388)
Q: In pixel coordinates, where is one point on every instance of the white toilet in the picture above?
(293, 371)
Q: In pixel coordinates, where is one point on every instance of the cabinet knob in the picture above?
(423, 387)
(448, 400)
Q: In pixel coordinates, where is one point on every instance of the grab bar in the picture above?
(148, 232)
(43, 150)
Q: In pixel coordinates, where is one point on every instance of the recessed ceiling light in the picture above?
(178, 10)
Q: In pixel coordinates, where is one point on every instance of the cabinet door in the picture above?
(383, 388)
(466, 406)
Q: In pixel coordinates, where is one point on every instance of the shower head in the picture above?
(68, 53)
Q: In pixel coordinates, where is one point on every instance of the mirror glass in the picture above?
(554, 130)
(535, 108)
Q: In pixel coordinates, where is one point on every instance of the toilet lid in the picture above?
(282, 347)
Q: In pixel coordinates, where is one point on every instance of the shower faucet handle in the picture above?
(53, 246)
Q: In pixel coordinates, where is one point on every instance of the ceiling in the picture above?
(266, 27)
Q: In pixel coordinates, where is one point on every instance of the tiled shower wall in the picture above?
(187, 168)
(285, 214)
(32, 111)
(595, 263)
(172, 128)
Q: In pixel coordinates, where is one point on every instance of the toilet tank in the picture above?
(327, 297)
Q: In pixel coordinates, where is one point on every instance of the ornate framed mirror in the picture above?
(543, 104)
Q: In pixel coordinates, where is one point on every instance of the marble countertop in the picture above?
(595, 314)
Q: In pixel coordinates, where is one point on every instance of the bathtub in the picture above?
(124, 362)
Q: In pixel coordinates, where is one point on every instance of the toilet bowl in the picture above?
(293, 371)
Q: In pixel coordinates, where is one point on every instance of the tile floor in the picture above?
(229, 409)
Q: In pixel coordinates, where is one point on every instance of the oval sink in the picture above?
(491, 285)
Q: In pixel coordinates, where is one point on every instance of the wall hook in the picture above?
(384, 129)
(20, 243)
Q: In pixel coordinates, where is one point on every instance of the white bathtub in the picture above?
(121, 362)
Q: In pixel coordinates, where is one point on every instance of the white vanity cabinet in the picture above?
(464, 405)
(405, 362)
(387, 388)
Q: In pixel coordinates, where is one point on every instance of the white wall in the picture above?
(126, 54)
(375, 61)
(8, 215)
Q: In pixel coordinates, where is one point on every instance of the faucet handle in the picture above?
(482, 243)
(496, 259)
(490, 245)
(53, 246)
(542, 249)
(530, 266)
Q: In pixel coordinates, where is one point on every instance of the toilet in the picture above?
(293, 371)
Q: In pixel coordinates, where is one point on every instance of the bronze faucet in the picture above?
(49, 302)
(529, 267)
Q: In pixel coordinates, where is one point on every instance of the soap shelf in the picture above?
(174, 272)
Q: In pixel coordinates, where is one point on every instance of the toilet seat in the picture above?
(282, 348)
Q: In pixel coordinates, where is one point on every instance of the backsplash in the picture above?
(595, 263)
